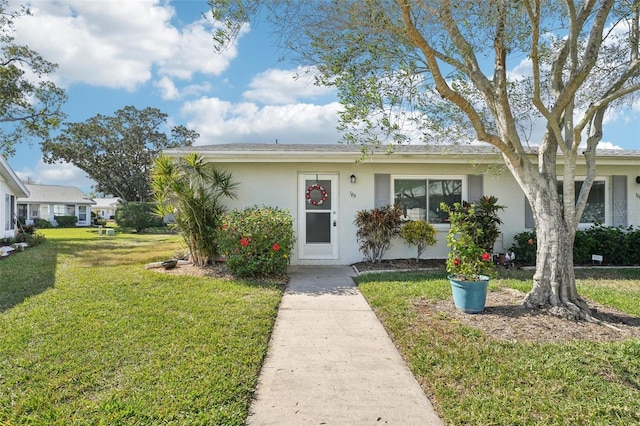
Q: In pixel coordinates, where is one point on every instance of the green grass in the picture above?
(88, 336)
(475, 380)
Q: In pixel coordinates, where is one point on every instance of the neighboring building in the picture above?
(105, 208)
(49, 201)
(10, 190)
(416, 177)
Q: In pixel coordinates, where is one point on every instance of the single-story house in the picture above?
(323, 186)
(10, 189)
(48, 201)
(105, 208)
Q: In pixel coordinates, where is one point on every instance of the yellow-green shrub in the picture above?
(419, 233)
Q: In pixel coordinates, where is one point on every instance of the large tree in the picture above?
(441, 69)
(118, 151)
(29, 103)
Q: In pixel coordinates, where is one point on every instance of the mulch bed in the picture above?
(400, 264)
(506, 319)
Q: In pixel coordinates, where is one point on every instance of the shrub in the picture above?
(487, 219)
(137, 215)
(609, 242)
(376, 228)
(617, 246)
(7, 241)
(256, 241)
(583, 248)
(633, 246)
(525, 247)
(192, 191)
(27, 229)
(468, 259)
(419, 233)
(42, 223)
(32, 240)
(66, 221)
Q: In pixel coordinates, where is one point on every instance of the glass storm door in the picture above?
(318, 216)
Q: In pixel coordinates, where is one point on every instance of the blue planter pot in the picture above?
(469, 296)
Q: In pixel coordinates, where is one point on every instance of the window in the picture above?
(82, 213)
(420, 198)
(59, 210)
(44, 211)
(9, 211)
(594, 211)
(22, 211)
(35, 211)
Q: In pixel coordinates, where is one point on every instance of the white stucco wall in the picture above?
(276, 184)
(4, 189)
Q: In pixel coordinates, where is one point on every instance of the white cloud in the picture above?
(281, 87)
(57, 174)
(194, 52)
(168, 90)
(521, 71)
(118, 43)
(219, 121)
(607, 145)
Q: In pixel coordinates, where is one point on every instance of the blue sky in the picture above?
(160, 53)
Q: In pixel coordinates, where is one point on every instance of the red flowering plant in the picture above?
(257, 242)
(468, 259)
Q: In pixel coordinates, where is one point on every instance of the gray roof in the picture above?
(107, 202)
(432, 149)
(55, 194)
(335, 148)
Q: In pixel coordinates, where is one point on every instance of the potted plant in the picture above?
(470, 263)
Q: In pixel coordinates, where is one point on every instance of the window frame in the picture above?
(10, 212)
(463, 191)
(607, 201)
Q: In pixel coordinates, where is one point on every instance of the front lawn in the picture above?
(88, 336)
(475, 379)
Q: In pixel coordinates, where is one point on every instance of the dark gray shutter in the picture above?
(382, 190)
(619, 201)
(528, 214)
(475, 188)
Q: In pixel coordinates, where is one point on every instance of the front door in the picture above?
(318, 216)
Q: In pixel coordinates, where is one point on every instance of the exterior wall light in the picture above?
(353, 178)
(637, 179)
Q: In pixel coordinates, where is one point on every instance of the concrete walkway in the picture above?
(331, 362)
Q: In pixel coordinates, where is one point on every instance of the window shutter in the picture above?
(528, 214)
(619, 201)
(382, 190)
(475, 188)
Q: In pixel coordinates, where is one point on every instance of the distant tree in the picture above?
(29, 103)
(118, 151)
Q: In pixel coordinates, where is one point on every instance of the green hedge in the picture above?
(137, 215)
(66, 221)
(617, 246)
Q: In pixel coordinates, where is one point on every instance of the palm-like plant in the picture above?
(193, 192)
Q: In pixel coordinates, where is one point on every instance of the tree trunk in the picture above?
(554, 284)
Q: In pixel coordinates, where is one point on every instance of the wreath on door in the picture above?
(323, 192)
